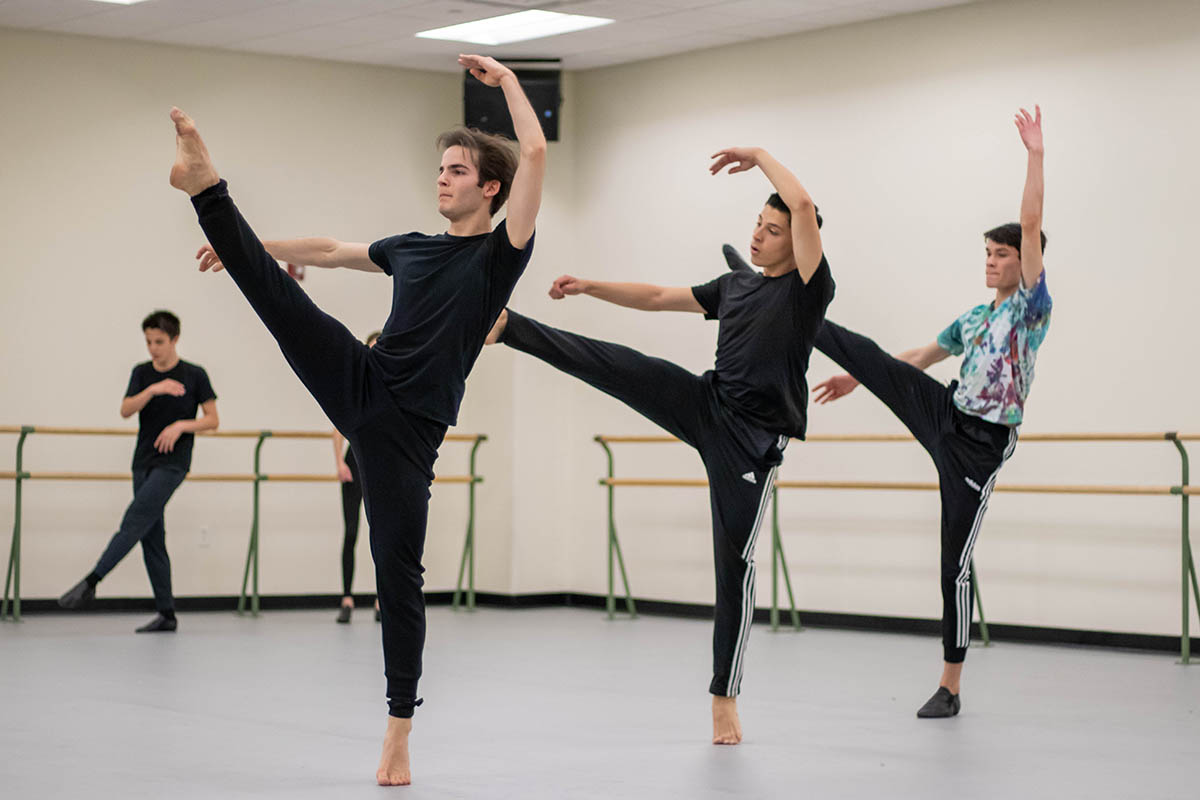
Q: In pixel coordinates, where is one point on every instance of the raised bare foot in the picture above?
(727, 728)
(393, 764)
(497, 329)
(193, 170)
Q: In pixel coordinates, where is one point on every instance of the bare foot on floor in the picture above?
(393, 764)
(497, 329)
(193, 170)
(727, 729)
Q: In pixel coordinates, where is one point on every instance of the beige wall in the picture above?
(901, 130)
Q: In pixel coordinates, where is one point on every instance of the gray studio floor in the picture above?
(559, 703)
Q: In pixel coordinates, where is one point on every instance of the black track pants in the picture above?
(967, 451)
(741, 461)
(394, 449)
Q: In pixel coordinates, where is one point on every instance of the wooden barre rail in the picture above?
(1024, 488)
(210, 477)
(904, 437)
(450, 437)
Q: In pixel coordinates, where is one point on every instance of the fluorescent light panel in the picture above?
(121, 2)
(518, 27)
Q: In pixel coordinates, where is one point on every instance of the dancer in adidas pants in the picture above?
(738, 416)
(970, 428)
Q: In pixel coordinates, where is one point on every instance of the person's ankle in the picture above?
(92, 579)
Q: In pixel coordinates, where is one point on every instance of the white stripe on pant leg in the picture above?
(963, 580)
(748, 586)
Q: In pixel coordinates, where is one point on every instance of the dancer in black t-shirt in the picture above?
(740, 415)
(165, 392)
(395, 400)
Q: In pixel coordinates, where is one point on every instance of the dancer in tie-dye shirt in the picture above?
(970, 427)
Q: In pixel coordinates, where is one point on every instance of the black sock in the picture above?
(169, 613)
(92, 579)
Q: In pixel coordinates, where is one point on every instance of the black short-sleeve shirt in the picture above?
(164, 409)
(768, 326)
(446, 294)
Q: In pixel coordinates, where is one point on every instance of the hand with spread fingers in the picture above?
(485, 69)
(742, 159)
(831, 389)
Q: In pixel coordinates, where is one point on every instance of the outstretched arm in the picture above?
(806, 236)
(842, 385)
(525, 196)
(1031, 201)
(314, 251)
(642, 296)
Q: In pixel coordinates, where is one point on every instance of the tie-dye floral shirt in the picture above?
(999, 346)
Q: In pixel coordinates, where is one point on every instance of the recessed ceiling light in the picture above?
(121, 2)
(518, 27)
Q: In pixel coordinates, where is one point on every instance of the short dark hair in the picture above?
(1009, 235)
(494, 157)
(164, 321)
(372, 336)
(776, 202)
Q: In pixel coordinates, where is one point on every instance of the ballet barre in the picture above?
(778, 563)
(249, 596)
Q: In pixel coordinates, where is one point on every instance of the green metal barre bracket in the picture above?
(614, 545)
(252, 550)
(778, 559)
(1187, 564)
(13, 575)
(468, 554)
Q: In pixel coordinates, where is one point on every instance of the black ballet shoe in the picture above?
(942, 704)
(160, 624)
(734, 259)
(78, 597)
(344, 614)
(378, 615)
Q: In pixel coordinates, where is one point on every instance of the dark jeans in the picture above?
(143, 522)
(967, 451)
(741, 461)
(394, 449)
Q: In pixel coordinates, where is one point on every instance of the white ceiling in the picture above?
(381, 31)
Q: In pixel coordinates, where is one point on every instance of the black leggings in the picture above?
(395, 449)
(740, 459)
(351, 506)
(967, 451)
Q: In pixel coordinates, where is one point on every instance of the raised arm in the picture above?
(841, 385)
(642, 296)
(313, 251)
(806, 235)
(1031, 201)
(525, 196)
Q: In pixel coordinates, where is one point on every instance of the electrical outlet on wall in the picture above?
(204, 542)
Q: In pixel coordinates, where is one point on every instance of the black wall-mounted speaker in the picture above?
(484, 106)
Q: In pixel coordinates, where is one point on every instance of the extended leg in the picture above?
(328, 359)
(664, 393)
(917, 399)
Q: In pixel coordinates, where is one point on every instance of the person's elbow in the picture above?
(534, 151)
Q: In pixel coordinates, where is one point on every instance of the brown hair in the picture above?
(494, 157)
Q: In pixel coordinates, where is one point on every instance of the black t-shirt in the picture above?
(164, 409)
(446, 294)
(767, 330)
